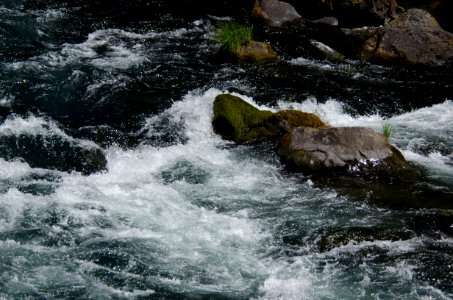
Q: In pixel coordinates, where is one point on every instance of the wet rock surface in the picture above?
(344, 149)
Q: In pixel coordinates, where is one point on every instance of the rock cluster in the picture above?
(306, 143)
(357, 160)
(378, 30)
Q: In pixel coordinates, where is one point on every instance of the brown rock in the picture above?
(256, 52)
(413, 38)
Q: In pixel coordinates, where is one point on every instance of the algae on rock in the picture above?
(238, 121)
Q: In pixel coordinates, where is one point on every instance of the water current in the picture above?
(179, 213)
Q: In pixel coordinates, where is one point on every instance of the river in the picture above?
(179, 213)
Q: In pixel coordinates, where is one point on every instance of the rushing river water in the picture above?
(179, 213)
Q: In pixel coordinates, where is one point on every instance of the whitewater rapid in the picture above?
(200, 216)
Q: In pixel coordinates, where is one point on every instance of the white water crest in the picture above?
(33, 126)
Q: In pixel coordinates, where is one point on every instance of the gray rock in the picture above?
(332, 21)
(348, 150)
(413, 38)
(328, 52)
(275, 12)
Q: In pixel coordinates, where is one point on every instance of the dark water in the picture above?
(177, 213)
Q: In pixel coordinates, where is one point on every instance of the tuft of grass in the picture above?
(387, 131)
(230, 35)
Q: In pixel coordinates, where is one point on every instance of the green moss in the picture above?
(230, 35)
(238, 121)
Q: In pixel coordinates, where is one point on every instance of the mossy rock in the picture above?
(238, 121)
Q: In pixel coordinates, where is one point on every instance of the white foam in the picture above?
(13, 170)
(32, 125)
(6, 101)
(438, 117)
(332, 112)
(292, 281)
(300, 61)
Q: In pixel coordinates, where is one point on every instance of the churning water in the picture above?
(178, 212)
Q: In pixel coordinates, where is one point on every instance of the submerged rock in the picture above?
(395, 190)
(356, 235)
(185, 171)
(238, 121)
(274, 12)
(413, 38)
(350, 150)
(53, 152)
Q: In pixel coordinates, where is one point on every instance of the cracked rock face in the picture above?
(348, 150)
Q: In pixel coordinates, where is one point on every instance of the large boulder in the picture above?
(413, 38)
(341, 150)
(274, 12)
(236, 120)
(440, 9)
